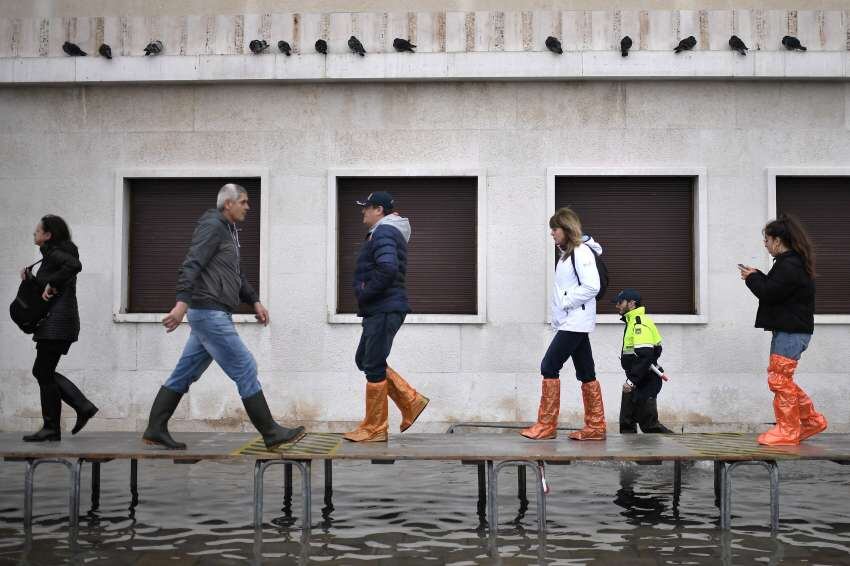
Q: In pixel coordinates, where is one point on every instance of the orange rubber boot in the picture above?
(374, 427)
(410, 402)
(547, 415)
(780, 373)
(594, 413)
(811, 422)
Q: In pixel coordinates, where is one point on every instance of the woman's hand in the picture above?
(49, 293)
(746, 271)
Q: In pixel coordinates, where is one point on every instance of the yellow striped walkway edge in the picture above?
(312, 444)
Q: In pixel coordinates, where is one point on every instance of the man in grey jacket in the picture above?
(210, 287)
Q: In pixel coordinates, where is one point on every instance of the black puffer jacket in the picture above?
(786, 296)
(59, 268)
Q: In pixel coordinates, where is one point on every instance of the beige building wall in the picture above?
(482, 95)
(60, 148)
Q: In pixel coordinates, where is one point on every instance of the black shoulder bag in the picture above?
(29, 310)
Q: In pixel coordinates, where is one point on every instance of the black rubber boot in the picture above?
(76, 400)
(163, 407)
(648, 418)
(261, 417)
(51, 410)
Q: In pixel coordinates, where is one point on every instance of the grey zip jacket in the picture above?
(210, 277)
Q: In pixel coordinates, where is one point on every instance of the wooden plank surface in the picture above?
(458, 446)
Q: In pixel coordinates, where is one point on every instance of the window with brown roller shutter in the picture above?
(823, 206)
(163, 215)
(645, 225)
(442, 270)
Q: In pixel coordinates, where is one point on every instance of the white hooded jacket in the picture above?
(573, 305)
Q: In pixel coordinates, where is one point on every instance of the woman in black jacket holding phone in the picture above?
(55, 334)
(787, 309)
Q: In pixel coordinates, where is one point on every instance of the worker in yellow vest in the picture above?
(639, 357)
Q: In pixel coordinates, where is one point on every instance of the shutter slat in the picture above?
(645, 227)
(823, 205)
(163, 215)
(442, 253)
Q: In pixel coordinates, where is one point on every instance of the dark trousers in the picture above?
(379, 330)
(565, 345)
(55, 387)
(643, 412)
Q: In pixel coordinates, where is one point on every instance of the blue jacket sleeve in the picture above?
(385, 256)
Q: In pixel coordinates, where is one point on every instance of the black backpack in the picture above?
(600, 267)
(29, 310)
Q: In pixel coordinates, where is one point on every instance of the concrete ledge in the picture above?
(156, 318)
(640, 65)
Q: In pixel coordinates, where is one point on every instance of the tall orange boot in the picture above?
(594, 413)
(373, 428)
(811, 422)
(547, 415)
(780, 373)
(410, 402)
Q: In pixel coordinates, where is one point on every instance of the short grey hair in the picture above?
(230, 191)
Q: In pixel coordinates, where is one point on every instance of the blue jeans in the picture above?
(789, 344)
(214, 337)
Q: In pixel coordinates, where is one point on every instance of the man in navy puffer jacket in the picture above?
(379, 284)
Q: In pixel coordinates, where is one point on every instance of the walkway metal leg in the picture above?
(725, 495)
(28, 478)
(493, 492)
(773, 470)
(541, 503)
(259, 472)
(306, 483)
(718, 483)
(726, 508)
(492, 507)
(74, 502)
(134, 483)
(482, 492)
(95, 486)
(258, 494)
(73, 489)
(287, 490)
(329, 489)
(677, 482)
(521, 484)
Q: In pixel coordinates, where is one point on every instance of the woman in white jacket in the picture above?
(573, 318)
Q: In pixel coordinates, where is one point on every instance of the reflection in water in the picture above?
(416, 511)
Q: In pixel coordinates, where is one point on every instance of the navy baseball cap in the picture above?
(627, 295)
(379, 198)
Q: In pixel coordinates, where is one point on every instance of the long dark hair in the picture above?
(790, 231)
(58, 228)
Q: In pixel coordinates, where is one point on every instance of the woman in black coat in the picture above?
(787, 309)
(54, 336)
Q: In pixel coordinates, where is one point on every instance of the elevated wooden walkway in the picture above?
(491, 452)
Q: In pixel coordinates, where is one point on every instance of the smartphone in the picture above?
(742, 266)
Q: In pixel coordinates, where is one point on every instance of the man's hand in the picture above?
(173, 319)
(49, 293)
(261, 313)
(23, 273)
(628, 387)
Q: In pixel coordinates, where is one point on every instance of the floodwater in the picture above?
(428, 513)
